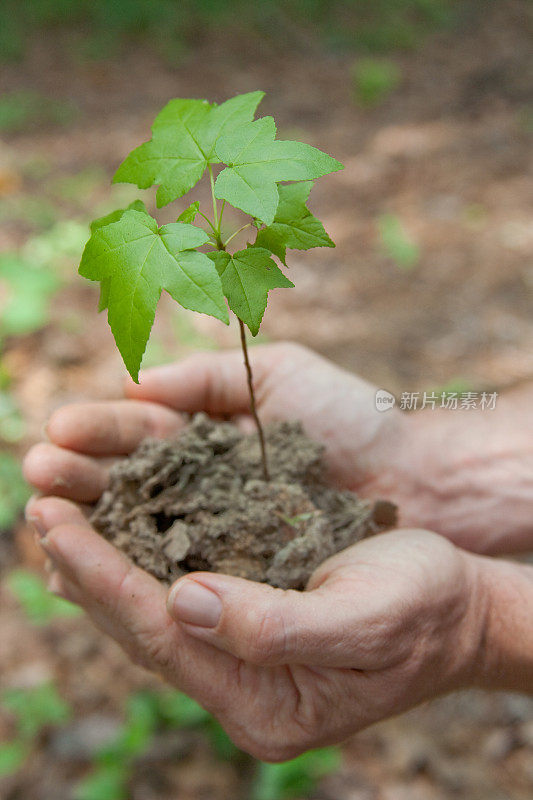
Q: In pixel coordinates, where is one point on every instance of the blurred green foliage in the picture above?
(29, 279)
(29, 288)
(12, 757)
(295, 778)
(396, 242)
(149, 712)
(14, 491)
(40, 606)
(33, 710)
(374, 80)
(25, 109)
(170, 26)
(12, 425)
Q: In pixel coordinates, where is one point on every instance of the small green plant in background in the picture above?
(268, 180)
(396, 242)
(28, 281)
(14, 491)
(29, 287)
(34, 710)
(39, 605)
(148, 713)
(374, 80)
(295, 778)
(20, 111)
(170, 27)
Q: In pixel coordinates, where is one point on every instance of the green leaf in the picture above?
(181, 711)
(35, 708)
(12, 757)
(136, 260)
(28, 292)
(294, 226)
(295, 778)
(397, 243)
(247, 277)
(189, 215)
(40, 606)
(14, 491)
(101, 222)
(114, 216)
(108, 782)
(12, 426)
(256, 162)
(184, 137)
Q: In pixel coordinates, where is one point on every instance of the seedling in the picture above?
(396, 242)
(134, 259)
(148, 713)
(39, 605)
(34, 710)
(374, 80)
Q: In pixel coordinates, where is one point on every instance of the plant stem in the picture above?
(221, 246)
(208, 221)
(233, 235)
(253, 408)
(216, 226)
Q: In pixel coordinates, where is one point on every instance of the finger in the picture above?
(115, 428)
(328, 627)
(211, 382)
(54, 470)
(60, 587)
(123, 600)
(47, 512)
(129, 604)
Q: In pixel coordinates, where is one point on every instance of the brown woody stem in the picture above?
(253, 408)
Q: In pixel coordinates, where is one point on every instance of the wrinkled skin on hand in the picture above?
(385, 624)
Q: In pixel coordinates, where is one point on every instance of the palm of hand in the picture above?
(283, 671)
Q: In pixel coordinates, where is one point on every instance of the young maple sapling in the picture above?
(269, 180)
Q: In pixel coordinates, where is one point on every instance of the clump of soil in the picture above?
(199, 502)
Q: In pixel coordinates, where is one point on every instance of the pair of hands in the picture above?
(385, 624)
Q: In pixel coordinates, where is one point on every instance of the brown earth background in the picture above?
(448, 154)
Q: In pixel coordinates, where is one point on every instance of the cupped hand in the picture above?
(384, 625)
(365, 450)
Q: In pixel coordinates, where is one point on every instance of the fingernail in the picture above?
(194, 604)
(38, 526)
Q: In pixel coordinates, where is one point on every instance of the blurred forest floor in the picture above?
(429, 287)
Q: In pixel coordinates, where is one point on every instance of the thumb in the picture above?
(267, 626)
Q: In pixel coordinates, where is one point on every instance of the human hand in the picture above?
(364, 448)
(466, 475)
(385, 624)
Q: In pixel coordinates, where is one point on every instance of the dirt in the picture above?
(200, 502)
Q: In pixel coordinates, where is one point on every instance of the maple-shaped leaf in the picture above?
(256, 161)
(184, 137)
(247, 277)
(114, 216)
(294, 226)
(136, 260)
(101, 222)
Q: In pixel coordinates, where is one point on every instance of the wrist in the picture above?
(505, 659)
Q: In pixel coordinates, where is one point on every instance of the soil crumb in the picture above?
(198, 502)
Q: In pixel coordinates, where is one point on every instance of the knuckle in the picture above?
(290, 347)
(268, 643)
(274, 751)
